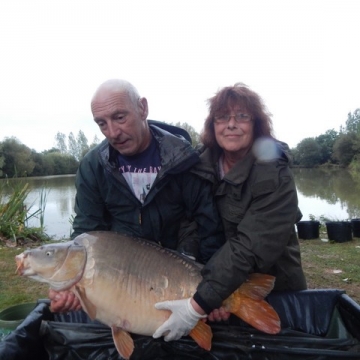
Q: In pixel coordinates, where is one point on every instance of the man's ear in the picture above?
(144, 109)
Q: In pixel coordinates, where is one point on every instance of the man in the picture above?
(138, 182)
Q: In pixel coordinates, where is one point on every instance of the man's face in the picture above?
(122, 121)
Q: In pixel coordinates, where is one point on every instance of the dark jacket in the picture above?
(104, 201)
(259, 208)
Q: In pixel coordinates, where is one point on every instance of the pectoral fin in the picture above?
(123, 342)
(86, 304)
(202, 335)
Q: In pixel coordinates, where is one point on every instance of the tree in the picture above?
(82, 145)
(61, 164)
(72, 146)
(195, 137)
(294, 156)
(39, 164)
(345, 148)
(308, 152)
(353, 122)
(78, 147)
(326, 143)
(95, 142)
(18, 160)
(60, 139)
(2, 161)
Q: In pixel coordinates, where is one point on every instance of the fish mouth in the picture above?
(19, 259)
(21, 266)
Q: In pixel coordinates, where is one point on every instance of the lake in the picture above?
(333, 194)
(60, 201)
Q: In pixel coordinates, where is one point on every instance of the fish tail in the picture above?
(202, 335)
(248, 304)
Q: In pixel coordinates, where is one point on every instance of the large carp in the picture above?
(118, 279)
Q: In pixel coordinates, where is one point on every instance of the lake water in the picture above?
(333, 194)
(60, 201)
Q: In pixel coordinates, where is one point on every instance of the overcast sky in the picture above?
(302, 57)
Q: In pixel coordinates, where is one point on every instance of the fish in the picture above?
(119, 279)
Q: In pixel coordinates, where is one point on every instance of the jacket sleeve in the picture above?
(90, 210)
(262, 234)
(201, 209)
(189, 241)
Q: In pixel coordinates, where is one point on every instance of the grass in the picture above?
(15, 233)
(332, 265)
(15, 289)
(326, 265)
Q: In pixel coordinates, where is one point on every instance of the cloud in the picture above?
(301, 57)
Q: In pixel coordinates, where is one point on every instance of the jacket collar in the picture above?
(209, 165)
(176, 154)
(240, 171)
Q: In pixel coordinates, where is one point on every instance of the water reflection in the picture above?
(332, 193)
(60, 201)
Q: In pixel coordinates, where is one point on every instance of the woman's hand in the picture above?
(182, 320)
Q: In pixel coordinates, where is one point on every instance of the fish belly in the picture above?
(125, 277)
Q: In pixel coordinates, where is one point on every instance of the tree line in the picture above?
(18, 160)
(333, 148)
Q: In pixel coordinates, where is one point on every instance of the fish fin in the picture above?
(202, 335)
(248, 304)
(259, 314)
(123, 342)
(87, 305)
(258, 286)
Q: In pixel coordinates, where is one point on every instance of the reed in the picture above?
(15, 214)
(42, 206)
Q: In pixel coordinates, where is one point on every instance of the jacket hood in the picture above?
(176, 153)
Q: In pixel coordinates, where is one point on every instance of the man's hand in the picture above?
(219, 315)
(63, 301)
(182, 320)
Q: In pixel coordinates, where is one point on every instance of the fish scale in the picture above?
(146, 279)
(119, 279)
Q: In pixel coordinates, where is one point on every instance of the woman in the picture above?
(255, 193)
(256, 196)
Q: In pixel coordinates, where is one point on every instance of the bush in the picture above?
(14, 213)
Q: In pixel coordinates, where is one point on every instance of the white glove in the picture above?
(182, 320)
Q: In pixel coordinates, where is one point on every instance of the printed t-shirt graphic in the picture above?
(140, 170)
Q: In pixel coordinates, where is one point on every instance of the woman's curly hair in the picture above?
(249, 100)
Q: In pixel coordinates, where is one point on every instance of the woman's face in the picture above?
(234, 131)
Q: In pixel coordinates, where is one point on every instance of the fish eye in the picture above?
(48, 253)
